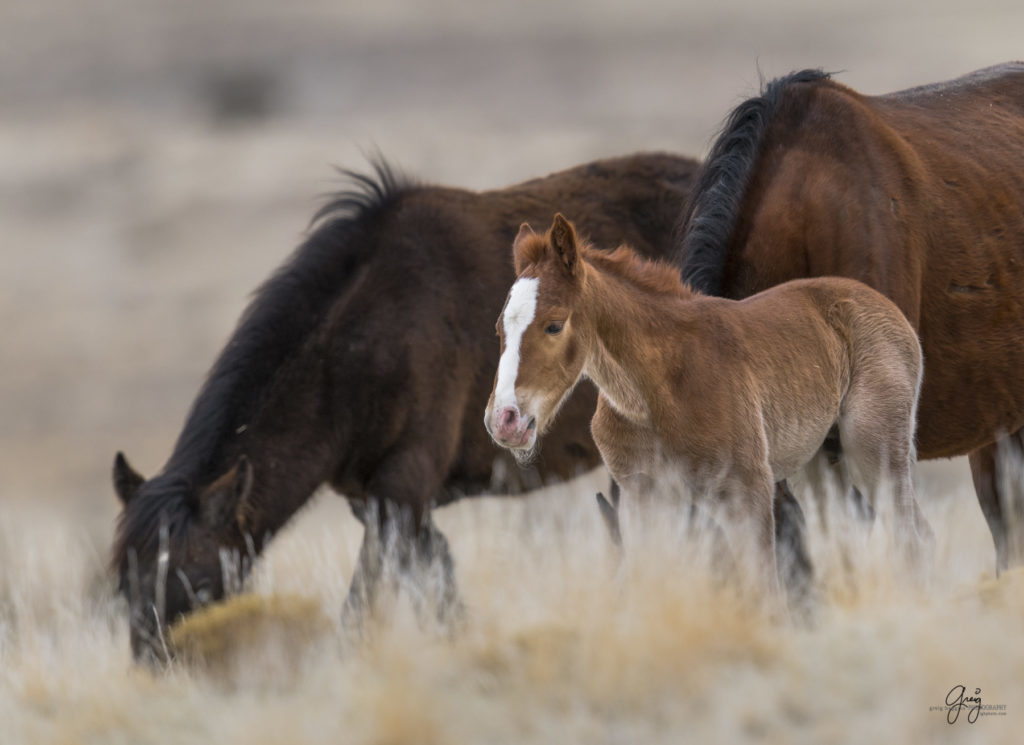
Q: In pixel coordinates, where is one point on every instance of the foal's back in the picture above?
(809, 352)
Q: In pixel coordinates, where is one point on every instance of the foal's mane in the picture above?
(648, 275)
(280, 318)
(710, 217)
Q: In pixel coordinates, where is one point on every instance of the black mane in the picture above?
(284, 311)
(710, 217)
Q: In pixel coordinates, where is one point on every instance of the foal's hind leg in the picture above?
(831, 478)
(876, 428)
(996, 470)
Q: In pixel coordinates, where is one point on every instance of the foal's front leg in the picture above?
(746, 509)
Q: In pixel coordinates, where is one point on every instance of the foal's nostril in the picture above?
(508, 417)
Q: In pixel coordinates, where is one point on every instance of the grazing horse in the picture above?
(729, 397)
(362, 364)
(919, 194)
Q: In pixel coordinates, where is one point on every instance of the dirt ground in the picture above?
(158, 159)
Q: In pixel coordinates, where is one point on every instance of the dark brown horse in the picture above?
(919, 194)
(363, 363)
(802, 357)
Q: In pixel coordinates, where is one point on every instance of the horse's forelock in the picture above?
(163, 501)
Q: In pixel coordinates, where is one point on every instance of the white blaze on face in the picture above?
(519, 313)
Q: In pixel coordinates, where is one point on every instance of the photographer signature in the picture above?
(957, 700)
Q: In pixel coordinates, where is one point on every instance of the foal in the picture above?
(728, 396)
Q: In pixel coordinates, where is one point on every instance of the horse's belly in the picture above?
(973, 386)
(972, 334)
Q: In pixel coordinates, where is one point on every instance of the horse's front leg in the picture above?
(402, 549)
(361, 602)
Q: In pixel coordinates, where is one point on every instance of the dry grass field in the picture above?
(158, 159)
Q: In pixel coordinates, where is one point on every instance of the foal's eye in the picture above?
(555, 327)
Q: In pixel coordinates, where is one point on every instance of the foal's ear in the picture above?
(563, 240)
(519, 244)
(126, 479)
(226, 498)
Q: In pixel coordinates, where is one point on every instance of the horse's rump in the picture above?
(919, 194)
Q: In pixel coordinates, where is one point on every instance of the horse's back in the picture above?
(633, 199)
(1004, 81)
(415, 341)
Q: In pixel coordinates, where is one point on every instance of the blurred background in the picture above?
(158, 158)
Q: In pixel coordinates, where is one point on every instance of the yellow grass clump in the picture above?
(249, 631)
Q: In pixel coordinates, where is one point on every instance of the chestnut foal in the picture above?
(727, 396)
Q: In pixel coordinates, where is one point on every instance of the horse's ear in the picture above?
(525, 231)
(126, 479)
(225, 498)
(563, 240)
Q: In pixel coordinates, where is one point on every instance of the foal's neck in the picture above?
(627, 324)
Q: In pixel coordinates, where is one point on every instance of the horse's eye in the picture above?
(554, 328)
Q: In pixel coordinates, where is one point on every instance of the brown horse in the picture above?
(725, 397)
(919, 194)
(362, 364)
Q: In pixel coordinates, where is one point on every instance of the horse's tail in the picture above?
(706, 228)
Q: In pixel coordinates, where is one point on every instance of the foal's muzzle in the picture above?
(512, 430)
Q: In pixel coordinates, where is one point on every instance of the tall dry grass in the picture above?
(563, 643)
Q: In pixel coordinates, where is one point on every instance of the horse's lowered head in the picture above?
(541, 354)
(178, 547)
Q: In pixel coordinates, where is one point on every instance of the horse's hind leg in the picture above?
(997, 473)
